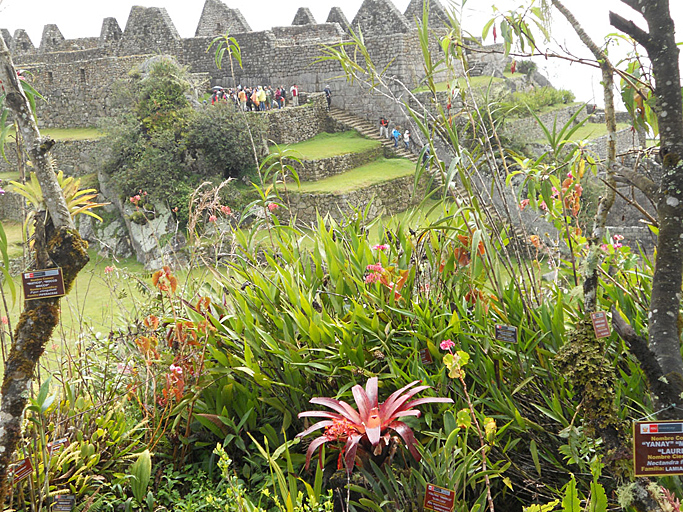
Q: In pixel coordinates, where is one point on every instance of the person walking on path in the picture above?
(396, 135)
(406, 139)
(384, 127)
(328, 96)
(295, 95)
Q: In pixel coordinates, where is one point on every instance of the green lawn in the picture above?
(378, 171)
(475, 81)
(594, 130)
(327, 145)
(69, 133)
(72, 133)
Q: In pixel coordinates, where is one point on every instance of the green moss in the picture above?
(584, 365)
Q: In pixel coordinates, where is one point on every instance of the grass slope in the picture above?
(380, 170)
(327, 145)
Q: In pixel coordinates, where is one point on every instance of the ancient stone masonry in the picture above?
(217, 18)
(304, 17)
(77, 76)
(337, 16)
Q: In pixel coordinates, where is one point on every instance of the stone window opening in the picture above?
(82, 75)
(50, 77)
(219, 28)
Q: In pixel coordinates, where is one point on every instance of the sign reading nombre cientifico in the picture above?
(658, 448)
(43, 284)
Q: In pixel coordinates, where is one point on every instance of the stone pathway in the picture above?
(371, 131)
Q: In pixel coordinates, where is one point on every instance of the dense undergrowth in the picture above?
(232, 361)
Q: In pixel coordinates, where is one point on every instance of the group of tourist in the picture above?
(395, 134)
(256, 99)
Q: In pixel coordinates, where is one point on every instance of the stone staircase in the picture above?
(371, 131)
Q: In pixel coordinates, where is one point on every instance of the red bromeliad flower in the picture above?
(370, 426)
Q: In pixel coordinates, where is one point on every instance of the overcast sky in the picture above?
(83, 18)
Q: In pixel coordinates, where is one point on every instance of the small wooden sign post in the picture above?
(43, 284)
(22, 470)
(438, 499)
(57, 445)
(63, 503)
(658, 448)
(600, 324)
(426, 356)
(506, 333)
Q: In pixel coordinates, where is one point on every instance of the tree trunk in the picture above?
(60, 246)
(660, 44)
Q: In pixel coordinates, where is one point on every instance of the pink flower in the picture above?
(617, 245)
(212, 218)
(604, 247)
(178, 370)
(273, 206)
(570, 175)
(446, 345)
(543, 206)
(380, 247)
(135, 199)
(226, 210)
(124, 369)
(108, 270)
(618, 238)
(4, 320)
(523, 204)
(372, 278)
(375, 267)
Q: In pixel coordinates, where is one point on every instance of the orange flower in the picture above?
(535, 241)
(152, 322)
(164, 280)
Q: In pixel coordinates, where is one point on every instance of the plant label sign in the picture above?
(22, 470)
(426, 356)
(43, 284)
(57, 445)
(658, 448)
(506, 333)
(64, 503)
(439, 499)
(600, 324)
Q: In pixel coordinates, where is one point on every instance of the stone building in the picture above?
(77, 76)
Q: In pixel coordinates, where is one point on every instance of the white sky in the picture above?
(83, 18)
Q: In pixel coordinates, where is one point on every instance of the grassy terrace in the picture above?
(376, 172)
(590, 131)
(475, 81)
(327, 145)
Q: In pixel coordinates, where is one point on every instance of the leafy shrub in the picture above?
(526, 67)
(220, 134)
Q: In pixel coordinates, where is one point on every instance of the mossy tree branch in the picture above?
(59, 245)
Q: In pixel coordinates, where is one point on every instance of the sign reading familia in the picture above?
(43, 284)
(658, 448)
(438, 499)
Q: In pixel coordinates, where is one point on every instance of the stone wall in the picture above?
(75, 157)
(387, 198)
(315, 170)
(11, 205)
(78, 76)
(295, 124)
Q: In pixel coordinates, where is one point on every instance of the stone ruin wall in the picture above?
(77, 76)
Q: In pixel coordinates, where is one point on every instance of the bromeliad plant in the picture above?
(368, 428)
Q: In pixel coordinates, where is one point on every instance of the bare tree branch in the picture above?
(630, 28)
